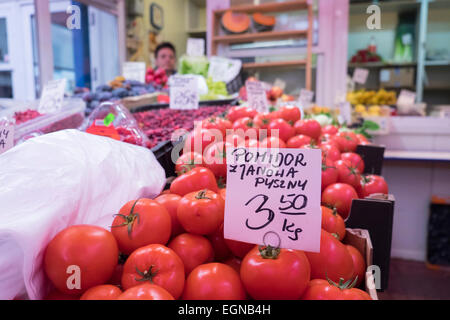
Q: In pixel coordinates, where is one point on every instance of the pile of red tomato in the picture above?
(173, 246)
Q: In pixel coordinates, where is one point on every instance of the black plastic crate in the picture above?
(438, 237)
(373, 157)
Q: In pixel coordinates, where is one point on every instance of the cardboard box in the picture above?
(397, 77)
(360, 239)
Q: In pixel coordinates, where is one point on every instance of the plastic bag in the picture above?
(58, 180)
(114, 120)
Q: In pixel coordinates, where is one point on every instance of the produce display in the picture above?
(173, 246)
(364, 56)
(371, 97)
(159, 124)
(24, 116)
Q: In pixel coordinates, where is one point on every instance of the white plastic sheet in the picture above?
(57, 180)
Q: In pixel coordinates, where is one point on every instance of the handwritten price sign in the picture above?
(184, 93)
(256, 96)
(6, 137)
(277, 192)
(52, 96)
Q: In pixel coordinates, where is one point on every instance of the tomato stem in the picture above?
(269, 252)
(202, 195)
(129, 219)
(147, 275)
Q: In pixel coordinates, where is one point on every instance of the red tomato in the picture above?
(355, 160)
(330, 129)
(235, 263)
(339, 196)
(346, 141)
(371, 184)
(290, 113)
(223, 193)
(330, 151)
(235, 139)
(57, 295)
(320, 289)
(308, 127)
(238, 112)
(214, 281)
(246, 128)
(199, 139)
(92, 249)
(272, 142)
(332, 222)
(214, 123)
(239, 248)
(251, 143)
(271, 274)
(359, 265)
(281, 129)
(139, 223)
(155, 264)
(102, 292)
(333, 261)
(116, 278)
(146, 291)
(362, 139)
(216, 159)
(329, 173)
(348, 173)
(221, 250)
(170, 202)
(193, 250)
(188, 161)
(298, 141)
(194, 180)
(262, 120)
(201, 212)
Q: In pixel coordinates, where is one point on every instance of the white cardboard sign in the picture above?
(273, 197)
(52, 96)
(6, 136)
(360, 75)
(195, 47)
(134, 71)
(257, 96)
(184, 92)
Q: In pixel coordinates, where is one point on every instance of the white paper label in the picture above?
(195, 47)
(52, 96)
(184, 93)
(134, 71)
(6, 136)
(406, 98)
(360, 75)
(306, 97)
(345, 111)
(218, 69)
(257, 96)
(385, 75)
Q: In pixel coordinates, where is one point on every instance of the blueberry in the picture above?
(120, 93)
(105, 96)
(104, 88)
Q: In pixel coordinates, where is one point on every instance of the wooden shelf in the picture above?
(382, 65)
(260, 36)
(268, 7)
(270, 64)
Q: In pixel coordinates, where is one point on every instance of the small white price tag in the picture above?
(345, 111)
(360, 75)
(52, 96)
(385, 75)
(195, 47)
(218, 69)
(280, 84)
(257, 96)
(134, 71)
(306, 97)
(184, 92)
(6, 136)
(406, 98)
